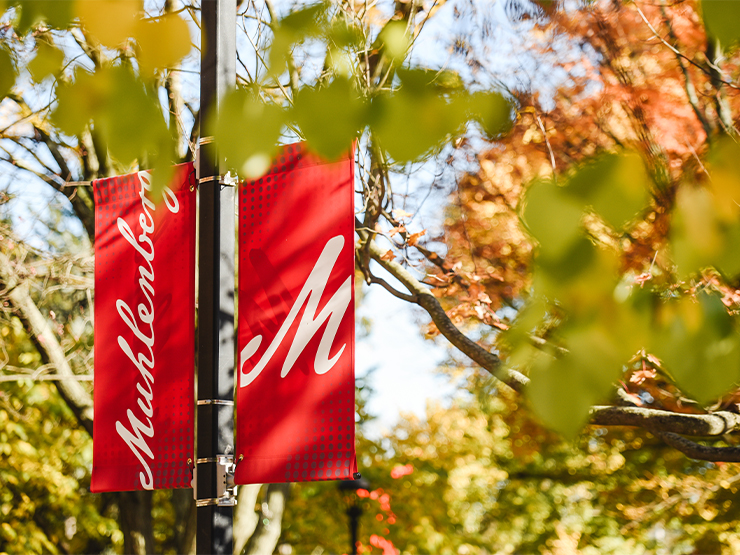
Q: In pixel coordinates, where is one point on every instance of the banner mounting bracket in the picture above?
(226, 489)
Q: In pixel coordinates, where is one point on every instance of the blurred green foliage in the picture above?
(603, 319)
(486, 477)
(45, 503)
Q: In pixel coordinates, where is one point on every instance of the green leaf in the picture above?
(415, 119)
(79, 101)
(58, 14)
(7, 72)
(343, 34)
(552, 217)
(699, 344)
(721, 19)
(294, 28)
(247, 132)
(706, 223)
(492, 111)
(306, 21)
(48, 61)
(330, 117)
(393, 40)
(700, 237)
(563, 390)
(615, 185)
(131, 121)
(723, 164)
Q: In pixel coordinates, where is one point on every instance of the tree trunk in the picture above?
(183, 505)
(135, 520)
(245, 517)
(266, 535)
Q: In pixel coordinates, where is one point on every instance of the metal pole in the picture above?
(354, 513)
(215, 283)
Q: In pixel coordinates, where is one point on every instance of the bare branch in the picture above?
(698, 451)
(40, 332)
(715, 424)
(425, 299)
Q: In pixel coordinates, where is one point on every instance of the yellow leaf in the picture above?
(48, 61)
(7, 72)
(162, 43)
(110, 21)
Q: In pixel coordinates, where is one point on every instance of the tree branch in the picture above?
(664, 424)
(697, 451)
(658, 421)
(51, 351)
(426, 300)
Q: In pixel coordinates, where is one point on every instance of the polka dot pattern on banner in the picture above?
(299, 427)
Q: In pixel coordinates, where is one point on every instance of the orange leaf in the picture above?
(400, 229)
(388, 255)
(414, 238)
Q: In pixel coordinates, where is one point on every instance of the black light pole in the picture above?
(354, 511)
(215, 410)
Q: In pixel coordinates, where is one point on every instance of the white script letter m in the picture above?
(310, 322)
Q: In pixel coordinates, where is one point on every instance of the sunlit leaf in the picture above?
(330, 117)
(449, 80)
(111, 22)
(343, 34)
(492, 111)
(48, 61)
(163, 42)
(723, 164)
(615, 185)
(414, 120)
(394, 40)
(132, 122)
(55, 13)
(699, 344)
(294, 28)
(78, 101)
(552, 217)
(306, 21)
(7, 72)
(563, 390)
(699, 238)
(721, 17)
(247, 132)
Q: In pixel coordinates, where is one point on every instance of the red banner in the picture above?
(144, 332)
(296, 387)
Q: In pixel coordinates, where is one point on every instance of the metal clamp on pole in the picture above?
(227, 180)
(226, 491)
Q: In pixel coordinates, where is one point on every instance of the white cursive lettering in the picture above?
(310, 322)
(137, 444)
(142, 328)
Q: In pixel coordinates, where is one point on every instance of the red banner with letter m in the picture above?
(144, 332)
(296, 389)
